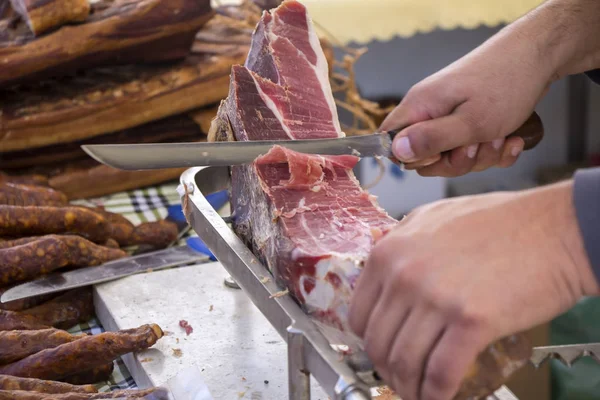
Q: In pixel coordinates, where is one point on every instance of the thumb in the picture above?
(430, 138)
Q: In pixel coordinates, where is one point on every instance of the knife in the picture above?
(194, 251)
(178, 155)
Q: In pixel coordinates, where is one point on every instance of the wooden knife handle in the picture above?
(532, 131)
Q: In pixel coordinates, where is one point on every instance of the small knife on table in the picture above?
(178, 155)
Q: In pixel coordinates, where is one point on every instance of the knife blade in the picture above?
(177, 155)
(194, 251)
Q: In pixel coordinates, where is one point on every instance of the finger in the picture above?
(369, 285)
(458, 162)
(364, 299)
(462, 160)
(435, 169)
(403, 115)
(428, 138)
(423, 163)
(385, 321)
(489, 155)
(414, 342)
(449, 362)
(511, 152)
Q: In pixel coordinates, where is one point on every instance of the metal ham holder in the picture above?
(309, 352)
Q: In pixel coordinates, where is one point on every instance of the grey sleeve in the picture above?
(586, 197)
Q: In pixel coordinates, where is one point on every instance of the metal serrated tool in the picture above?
(567, 354)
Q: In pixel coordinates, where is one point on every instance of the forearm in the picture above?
(565, 33)
(573, 40)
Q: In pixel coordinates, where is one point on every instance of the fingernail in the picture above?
(472, 150)
(515, 151)
(496, 144)
(402, 149)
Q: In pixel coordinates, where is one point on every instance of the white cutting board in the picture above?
(233, 344)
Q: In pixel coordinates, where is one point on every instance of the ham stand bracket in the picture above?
(309, 352)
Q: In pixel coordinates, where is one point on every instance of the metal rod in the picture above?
(299, 379)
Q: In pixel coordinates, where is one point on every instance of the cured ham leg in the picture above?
(306, 216)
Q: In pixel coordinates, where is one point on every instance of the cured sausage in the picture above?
(14, 194)
(38, 385)
(18, 344)
(83, 354)
(95, 375)
(70, 308)
(16, 221)
(148, 394)
(11, 320)
(48, 253)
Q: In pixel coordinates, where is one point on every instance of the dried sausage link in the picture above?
(99, 374)
(18, 221)
(68, 309)
(121, 229)
(11, 320)
(83, 354)
(14, 194)
(148, 394)
(41, 386)
(156, 234)
(35, 180)
(49, 253)
(18, 344)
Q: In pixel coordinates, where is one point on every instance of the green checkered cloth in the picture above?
(145, 205)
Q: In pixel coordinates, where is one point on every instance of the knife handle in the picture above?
(532, 131)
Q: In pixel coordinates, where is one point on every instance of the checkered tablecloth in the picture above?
(138, 206)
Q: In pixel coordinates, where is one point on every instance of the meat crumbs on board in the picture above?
(177, 353)
(186, 326)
